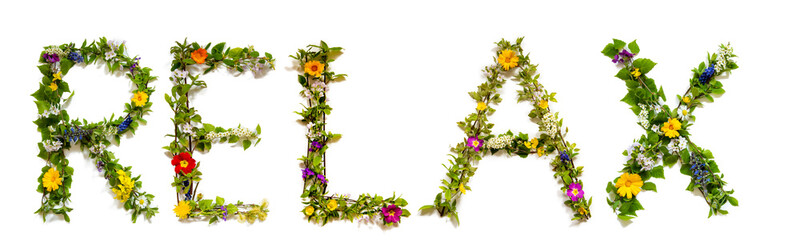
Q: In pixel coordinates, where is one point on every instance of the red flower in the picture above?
(183, 163)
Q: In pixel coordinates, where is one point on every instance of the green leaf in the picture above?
(657, 172)
(610, 51)
(619, 44)
(633, 47)
(733, 201)
(649, 186)
(644, 65)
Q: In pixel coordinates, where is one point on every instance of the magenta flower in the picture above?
(475, 143)
(307, 173)
(575, 191)
(392, 213)
(315, 146)
(51, 57)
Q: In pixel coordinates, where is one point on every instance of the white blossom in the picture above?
(52, 146)
(499, 142)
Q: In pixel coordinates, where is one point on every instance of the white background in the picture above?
(410, 66)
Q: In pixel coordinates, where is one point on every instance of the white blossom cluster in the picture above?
(550, 124)
(54, 110)
(97, 149)
(315, 88)
(646, 162)
(644, 118)
(677, 144)
(239, 132)
(499, 142)
(188, 129)
(55, 50)
(724, 55)
(179, 74)
(109, 56)
(52, 146)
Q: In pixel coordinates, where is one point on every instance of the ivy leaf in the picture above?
(644, 65)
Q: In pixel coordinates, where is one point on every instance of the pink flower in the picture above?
(475, 143)
(392, 213)
(575, 192)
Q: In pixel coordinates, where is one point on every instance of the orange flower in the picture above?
(199, 56)
(314, 68)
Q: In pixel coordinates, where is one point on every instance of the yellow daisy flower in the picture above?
(543, 104)
(332, 204)
(508, 59)
(308, 210)
(51, 180)
(314, 68)
(636, 72)
(628, 185)
(139, 99)
(481, 106)
(182, 210)
(53, 86)
(671, 128)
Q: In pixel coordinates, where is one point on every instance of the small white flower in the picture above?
(644, 118)
(673, 146)
(180, 74)
(647, 163)
(110, 55)
(656, 130)
(683, 113)
(97, 149)
(683, 143)
(52, 146)
(550, 124)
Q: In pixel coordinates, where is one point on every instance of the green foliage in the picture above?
(59, 132)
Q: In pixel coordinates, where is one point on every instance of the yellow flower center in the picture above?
(685, 112)
(628, 183)
(475, 143)
(184, 163)
(391, 213)
(574, 191)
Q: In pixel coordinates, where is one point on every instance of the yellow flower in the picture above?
(628, 185)
(636, 72)
(332, 204)
(125, 186)
(582, 211)
(57, 76)
(508, 59)
(687, 99)
(461, 188)
(139, 99)
(532, 144)
(540, 151)
(308, 210)
(51, 180)
(543, 104)
(53, 86)
(671, 128)
(481, 106)
(314, 68)
(182, 210)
